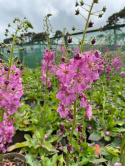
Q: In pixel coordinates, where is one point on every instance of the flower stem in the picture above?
(2, 114)
(83, 38)
(11, 59)
(71, 134)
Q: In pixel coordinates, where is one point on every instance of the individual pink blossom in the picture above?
(116, 46)
(122, 73)
(83, 100)
(119, 136)
(117, 164)
(65, 73)
(66, 95)
(107, 49)
(107, 133)
(89, 112)
(80, 82)
(62, 111)
(89, 127)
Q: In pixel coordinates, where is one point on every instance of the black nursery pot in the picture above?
(19, 136)
(16, 158)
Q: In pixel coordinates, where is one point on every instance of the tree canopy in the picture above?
(115, 18)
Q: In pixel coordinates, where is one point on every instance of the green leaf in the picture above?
(83, 162)
(107, 138)
(48, 146)
(27, 137)
(94, 160)
(32, 161)
(95, 136)
(18, 145)
(110, 151)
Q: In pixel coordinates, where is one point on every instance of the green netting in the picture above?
(108, 37)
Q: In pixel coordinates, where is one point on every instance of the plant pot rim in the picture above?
(18, 155)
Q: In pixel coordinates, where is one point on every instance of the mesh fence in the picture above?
(33, 52)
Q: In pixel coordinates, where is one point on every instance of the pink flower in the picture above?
(83, 100)
(107, 133)
(119, 136)
(122, 73)
(88, 113)
(62, 111)
(66, 96)
(117, 164)
(107, 49)
(116, 46)
(65, 73)
(116, 63)
(90, 127)
(80, 82)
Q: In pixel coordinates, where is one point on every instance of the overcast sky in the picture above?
(63, 13)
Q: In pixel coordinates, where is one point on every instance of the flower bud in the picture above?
(9, 25)
(77, 4)
(8, 51)
(1, 53)
(57, 163)
(119, 136)
(75, 159)
(21, 67)
(81, 3)
(69, 147)
(77, 12)
(100, 15)
(69, 40)
(104, 9)
(95, 1)
(18, 62)
(6, 30)
(73, 28)
(6, 68)
(77, 57)
(46, 137)
(6, 82)
(90, 24)
(107, 133)
(17, 42)
(13, 89)
(93, 41)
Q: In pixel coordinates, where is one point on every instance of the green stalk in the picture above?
(87, 21)
(84, 125)
(45, 103)
(2, 114)
(103, 104)
(71, 134)
(123, 153)
(11, 59)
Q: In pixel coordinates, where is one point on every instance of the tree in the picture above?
(58, 35)
(29, 36)
(40, 37)
(8, 40)
(114, 18)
